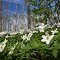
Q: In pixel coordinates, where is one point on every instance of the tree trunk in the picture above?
(28, 13)
(0, 15)
(58, 10)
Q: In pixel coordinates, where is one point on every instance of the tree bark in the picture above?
(28, 13)
(58, 10)
(0, 15)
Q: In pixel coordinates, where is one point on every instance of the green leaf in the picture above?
(55, 51)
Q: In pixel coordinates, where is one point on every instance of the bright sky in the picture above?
(12, 6)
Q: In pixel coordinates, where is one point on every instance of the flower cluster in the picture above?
(13, 33)
(21, 32)
(47, 38)
(2, 33)
(41, 28)
(6, 36)
(53, 32)
(27, 37)
(2, 45)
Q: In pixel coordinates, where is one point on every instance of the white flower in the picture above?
(12, 49)
(27, 37)
(41, 28)
(47, 39)
(7, 36)
(35, 31)
(2, 45)
(11, 52)
(2, 33)
(28, 30)
(13, 33)
(30, 34)
(55, 31)
(24, 37)
(44, 38)
(50, 37)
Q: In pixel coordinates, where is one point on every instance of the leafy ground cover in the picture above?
(40, 44)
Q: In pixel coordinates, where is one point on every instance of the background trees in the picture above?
(37, 11)
(44, 9)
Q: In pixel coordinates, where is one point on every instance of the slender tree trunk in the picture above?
(16, 14)
(7, 19)
(0, 15)
(28, 13)
(57, 5)
(58, 10)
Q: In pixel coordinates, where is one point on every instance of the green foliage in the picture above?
(42, 7)
(31, 50)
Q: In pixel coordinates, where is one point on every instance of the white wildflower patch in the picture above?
(41, 28)
(2, 45)
(2, 33)
(13, 33)
(24, 37)
(30, 34)
(55, 31)
(44, 38)
(28, 30)
(21, 32)
(47, 39)
(12, 49)
(27, 37)
(35, 31)
(6, 36)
